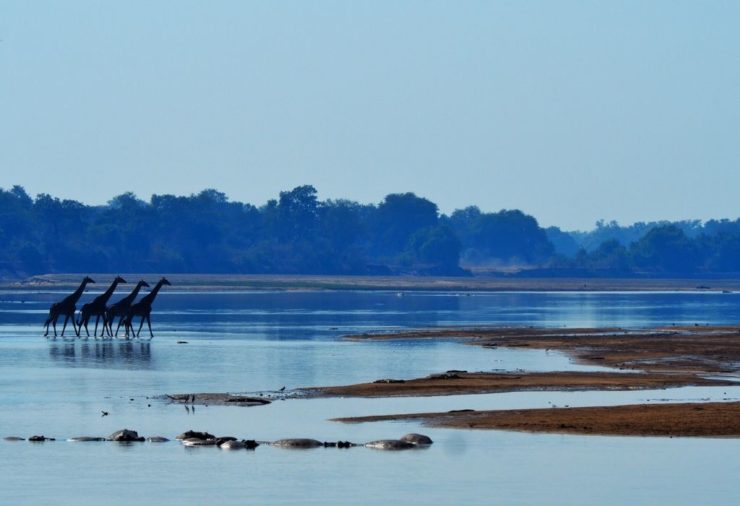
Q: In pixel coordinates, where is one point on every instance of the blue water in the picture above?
(257, 341)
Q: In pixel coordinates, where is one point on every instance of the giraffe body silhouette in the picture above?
(120, 309)
(143, 308)
(67, 307)
(97, 308)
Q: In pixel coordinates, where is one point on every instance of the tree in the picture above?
(398, 217)
(665, 249)
(436, 248)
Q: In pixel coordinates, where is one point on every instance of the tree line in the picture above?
(297, 233)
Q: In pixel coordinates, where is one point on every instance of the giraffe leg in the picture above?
(66, 318)
(141, 324)
(119, 325)
(149, 322)
(97, 319)
(54, 324)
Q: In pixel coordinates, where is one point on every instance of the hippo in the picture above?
(14, 438)
(297, 443)
(191, 434)
(85, 439)
(194, 441)
(125, 436)
(222, 439)
(157, 439)
(417, 439)
(338, 444)
(37, 439)
(390, 444)
(232, 444)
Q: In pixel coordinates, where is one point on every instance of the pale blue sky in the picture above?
(570, 111)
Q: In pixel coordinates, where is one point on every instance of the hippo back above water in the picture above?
(300, 443)
(390, 444)
(417, 439)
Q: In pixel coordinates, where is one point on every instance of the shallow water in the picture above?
(261, 341)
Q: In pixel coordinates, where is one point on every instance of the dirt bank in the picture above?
(684, 349)
(715, 419)
(460, 382)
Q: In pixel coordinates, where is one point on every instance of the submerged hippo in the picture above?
(194, 441)
(232, 444)
(297, 443)
(390, 444)
(338, 444)
(14, 438)
(125, 436)
(417, 439)
(85, 439)
(192, 434)
(157, 439)
(37, 439)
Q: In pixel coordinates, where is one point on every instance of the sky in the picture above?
(569, 111)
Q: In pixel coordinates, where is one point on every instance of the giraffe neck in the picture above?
(136, 291)
(78, 293)
(112, 288)
(151, 295)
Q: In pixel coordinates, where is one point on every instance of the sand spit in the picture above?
(218, 399)
(711, 419)
(675, 349)
(462, 382)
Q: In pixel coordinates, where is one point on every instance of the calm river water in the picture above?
(262, 341)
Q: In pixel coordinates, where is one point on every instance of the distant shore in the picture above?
(205, 282)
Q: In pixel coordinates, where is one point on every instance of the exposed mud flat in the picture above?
(712, 419)
(218, 399)
(692, 349)
(462, 383)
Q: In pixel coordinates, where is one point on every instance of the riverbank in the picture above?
(664, 356)
(463, 383)
(676, 349)
(715, 419)
(654, 358)
(205, 282)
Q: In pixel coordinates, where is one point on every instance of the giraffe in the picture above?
(143, 308)
(97, 308)
(121, 308)
(67, 307)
